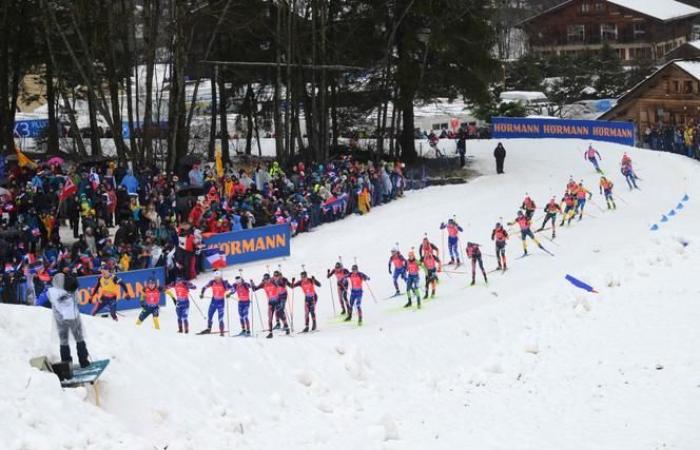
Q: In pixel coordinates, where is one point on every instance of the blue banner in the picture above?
(596, 130)
(30, 128)
(251, 245)
(135, 282)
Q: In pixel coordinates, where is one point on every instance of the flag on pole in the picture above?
(23, 160)
(580, 284)
(215, 257)
(69, 189)
(219, 163)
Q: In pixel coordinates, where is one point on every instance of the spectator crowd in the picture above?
(679, 139)
(59, 217)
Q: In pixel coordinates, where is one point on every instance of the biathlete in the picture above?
(453, 230)
(413, 279)
(355, 279)
(274, 308)
(590, 155)
(282, 284)
(529, 207)
(427, 248)
(107, 290)
(551, 209)
(241, 289)
(181, 298)
(150, 303)
(219, 288)
(499, 235)
(581, 194)
(341, 274)
(569, 203)
(474, 253)
(308, 286)
(397, 268)
(525, 231)
(605, 189)
(431, 265)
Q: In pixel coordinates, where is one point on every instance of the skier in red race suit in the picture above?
(474, 253)
(340, 273)
(308, 286)
(219, 287)
(499, 235)
(273, 304)
(242, 290)
(355, 280)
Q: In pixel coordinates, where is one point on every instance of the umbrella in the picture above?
(56, 161)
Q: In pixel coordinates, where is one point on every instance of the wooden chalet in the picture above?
(637, 29)
(671, 96)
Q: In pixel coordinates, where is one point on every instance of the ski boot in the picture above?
(418, 299)
(459, 263)
(277, 326)
(305, 330)
(432, 294)
(409, 303)
(472, 283)
(269, 335)
(426, 294)
(286, 330)
(205, 331)
(247, 333)
(359, 322)
(221, 333)
(82, 354)
(397, 293)
(313, 325)
(242, 333)
(452, 261)
(348, 318)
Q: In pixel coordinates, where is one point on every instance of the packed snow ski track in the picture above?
(526, 362)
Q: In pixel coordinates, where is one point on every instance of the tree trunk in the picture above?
(52, 132)
(249, 118)
(214, 109)
(279, 140)
(95, 145)
(4, 77)
(225, 153)
(75, 130)
(151, 17)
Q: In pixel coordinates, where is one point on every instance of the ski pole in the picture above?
(619, 197)
(228, 316)
(596, 205)
(370, 291)
(442, 250)
(257, 305)
(197, 306)
(330, 287)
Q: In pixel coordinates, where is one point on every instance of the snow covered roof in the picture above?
(523, 96)
(692, 67)
(695, 44)
(663, 10)
(659, 9)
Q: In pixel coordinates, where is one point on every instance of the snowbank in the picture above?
(527, 362)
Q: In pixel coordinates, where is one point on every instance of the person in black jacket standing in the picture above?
(500, 154)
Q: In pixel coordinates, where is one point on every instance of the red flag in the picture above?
(69, 188)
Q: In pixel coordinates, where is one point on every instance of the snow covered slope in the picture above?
(527, 362)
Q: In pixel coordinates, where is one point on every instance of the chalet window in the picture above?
(676, 86)
(688, 87)
(599, 7)
(575, 33)
(638, 30)
(586, 7)
(608, 32)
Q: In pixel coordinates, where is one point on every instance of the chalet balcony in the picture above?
(556, 40)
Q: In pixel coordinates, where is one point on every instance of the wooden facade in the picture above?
(585, 25)
(671, 96)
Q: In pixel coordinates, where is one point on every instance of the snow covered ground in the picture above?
(527, 362)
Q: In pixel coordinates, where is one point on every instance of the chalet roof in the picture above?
(690, 66)
(662, 10)
(665, 10)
